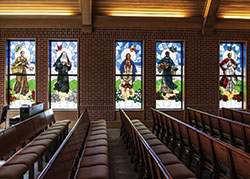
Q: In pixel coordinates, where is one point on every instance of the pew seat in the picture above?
(94, 161)
(83, 154)
(93, 172)
(149, 154)
(29, 140)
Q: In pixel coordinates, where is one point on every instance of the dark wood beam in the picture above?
(209, 16)
(147, 22)
(232, 24)
(40, 21)
(86, 10)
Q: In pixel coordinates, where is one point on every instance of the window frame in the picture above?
(119, 75)
(182, 75)
(55, 75)
(7, 65)
(243, 75)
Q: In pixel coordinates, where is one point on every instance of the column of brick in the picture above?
(2, 70)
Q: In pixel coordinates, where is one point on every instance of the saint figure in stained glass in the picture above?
(63, 74)
(228, 66)
(21, 63)
(167, 65)
(128, 94)
(62, 66)
(127, 68)
(232, 75)
(169, 74)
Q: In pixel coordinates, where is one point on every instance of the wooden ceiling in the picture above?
(234, 9)
(67, 7)
(153, 8)
(158, 14)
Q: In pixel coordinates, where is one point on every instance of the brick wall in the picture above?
(96, 65)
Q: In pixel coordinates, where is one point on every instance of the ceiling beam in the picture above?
(40, 21)
(147, 22)
(86, 10)
(209, 16)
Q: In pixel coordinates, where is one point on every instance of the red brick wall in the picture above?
(96, 65)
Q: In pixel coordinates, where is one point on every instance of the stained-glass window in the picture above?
(20, 72)
(63, 59)
(232, 90)
(169, 74)
(128, 59)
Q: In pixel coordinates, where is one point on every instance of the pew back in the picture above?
(222, 154)
(157, 168)
(240, 116)
(20, 134)
(230, 131)
(64, 162)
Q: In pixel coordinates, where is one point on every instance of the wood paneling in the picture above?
(40, 6)
(178, 8)
(234, 8)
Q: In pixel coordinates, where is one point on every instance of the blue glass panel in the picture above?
(175, 50)
(134, 48)
(22, 49)
(236, 50)
(57, 51)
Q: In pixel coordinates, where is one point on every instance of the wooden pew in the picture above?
(27, 141)
(221, 159)
(149, 154)
(83, 153)
(240, 116)
(234, 132)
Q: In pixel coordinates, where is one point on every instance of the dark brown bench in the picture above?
(83, 154)
(151, 157)
(207, 152)
(27, 142)
(233, 132)
(240, 116)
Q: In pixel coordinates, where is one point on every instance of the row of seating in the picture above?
(233, 132)
(207, 153)
(150, 155)
(83, 154)
(240, 116)
(27, 142)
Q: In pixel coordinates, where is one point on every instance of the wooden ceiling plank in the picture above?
(209, 16)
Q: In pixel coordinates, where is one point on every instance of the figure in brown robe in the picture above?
(21, 63)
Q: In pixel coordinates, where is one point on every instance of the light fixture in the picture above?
(144, 14)
(37, 13)
(237, 17)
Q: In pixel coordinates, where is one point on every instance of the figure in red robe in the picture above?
(228, 67)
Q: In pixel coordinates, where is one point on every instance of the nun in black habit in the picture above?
(62, 66)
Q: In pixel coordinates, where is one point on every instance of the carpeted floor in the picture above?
(119, 161)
